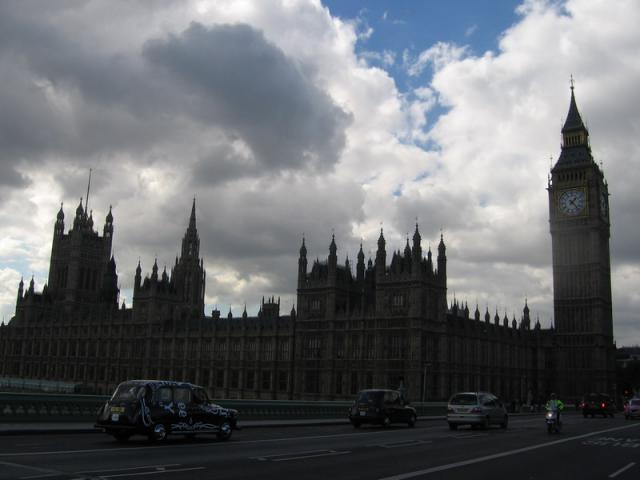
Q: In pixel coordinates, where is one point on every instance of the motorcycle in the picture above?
(553, 425)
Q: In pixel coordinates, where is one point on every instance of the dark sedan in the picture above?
(382, 407)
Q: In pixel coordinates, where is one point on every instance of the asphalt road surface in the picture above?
(586, 449)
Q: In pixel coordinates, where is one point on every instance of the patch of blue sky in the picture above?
(421, 176)
(398, 191)
(393, 33)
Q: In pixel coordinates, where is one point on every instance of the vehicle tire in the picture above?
(584, 415)
(225, 431)
(611, 415)
(355, 424)
(158, 434)
(549, 428)
(386, 421)
(191, 436)
(485, 423)
(121, 437)
(505, 422)
(453, 426)
(412, 421)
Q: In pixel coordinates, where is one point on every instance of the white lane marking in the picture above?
(407, 443)
(130, 468)
(470, 435)
(623, 469)
(471, 461)
(329, 453)
(279, 457)
(154, 472)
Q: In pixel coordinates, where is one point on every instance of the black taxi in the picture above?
(157, 408)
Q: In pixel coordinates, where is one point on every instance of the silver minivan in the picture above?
(478, 409)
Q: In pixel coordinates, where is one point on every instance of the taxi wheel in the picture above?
(386, 421)
(158, 434)
(355, 424)
(225, 432)
(453, 426)
(412, 421)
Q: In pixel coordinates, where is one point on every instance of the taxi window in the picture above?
(165, 395)
(199, 395)
(182, 395)
(126, 392)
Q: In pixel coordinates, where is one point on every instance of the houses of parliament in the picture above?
(387, 323)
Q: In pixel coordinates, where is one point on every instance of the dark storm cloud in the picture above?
(235, 78)
(72, 98)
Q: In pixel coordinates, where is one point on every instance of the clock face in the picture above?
(572, 202)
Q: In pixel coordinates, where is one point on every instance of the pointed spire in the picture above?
(574, 120)
(109, 218)
(332, 247)
(80, 210)
(381, 241)
(303, 248)
(192, 218)
(60, 213)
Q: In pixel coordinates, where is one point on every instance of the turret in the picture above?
(138, 277)
(20, 292)
(333, 257)
(154, 271)
(78, 220)
(417, 248)
(442, 261)
(360, 266)
(526, 320)
(58, 229)
(381, 257)
(302, 265)
(476, 314)
(107, 231)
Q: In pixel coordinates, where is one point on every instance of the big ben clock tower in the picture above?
(579, 221)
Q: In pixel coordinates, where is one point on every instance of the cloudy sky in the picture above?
(292, 117)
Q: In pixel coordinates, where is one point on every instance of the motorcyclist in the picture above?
(555, 405)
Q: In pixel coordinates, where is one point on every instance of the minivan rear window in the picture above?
(464, 399)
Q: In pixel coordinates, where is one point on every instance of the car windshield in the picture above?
(635, 402)
(464, 399)
(126, 392)
(370, 397)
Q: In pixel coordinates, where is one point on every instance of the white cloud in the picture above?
(154, 142)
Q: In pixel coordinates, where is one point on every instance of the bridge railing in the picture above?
(38, 407)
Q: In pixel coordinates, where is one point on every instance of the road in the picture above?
(595, 448)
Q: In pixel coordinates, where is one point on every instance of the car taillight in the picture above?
(603, 405)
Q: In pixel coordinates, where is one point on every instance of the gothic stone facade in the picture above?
(389, 324)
